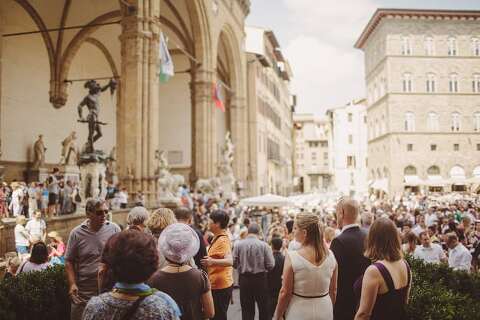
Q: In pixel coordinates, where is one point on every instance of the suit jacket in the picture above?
(348, 249)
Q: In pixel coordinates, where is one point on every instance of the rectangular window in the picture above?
(350, 139)
(456, 147)
(409, 147)
(314, 156)
(478, 146)
(350, 161)
(325, 156)
(433, 147)
(350, 117)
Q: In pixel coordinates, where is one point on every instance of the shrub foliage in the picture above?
(438, 293)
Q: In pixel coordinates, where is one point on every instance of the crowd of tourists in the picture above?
(185, 263)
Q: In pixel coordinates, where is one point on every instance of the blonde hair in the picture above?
(160, 219)
(20, 219)
(312, 225)
(329, 234)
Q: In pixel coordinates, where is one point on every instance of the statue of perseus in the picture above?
(93, 104)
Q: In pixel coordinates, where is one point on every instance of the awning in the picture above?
(412, 181)
(458, 181)
(381, 185)
(268, 200)
(435, 181)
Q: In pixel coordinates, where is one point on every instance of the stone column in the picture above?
(203, 142)
(137, 128)
(239, 127)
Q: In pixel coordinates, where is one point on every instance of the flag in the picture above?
(217, 97)
(166, 62)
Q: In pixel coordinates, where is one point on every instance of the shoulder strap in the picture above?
(215, 240)
(409, 274)
(131, 311)
(386, 275)
(21, 268)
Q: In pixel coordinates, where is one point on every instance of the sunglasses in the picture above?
(101, 212)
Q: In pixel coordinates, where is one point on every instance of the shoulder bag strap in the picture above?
(131, 311)
(215, 240)
(409, 274)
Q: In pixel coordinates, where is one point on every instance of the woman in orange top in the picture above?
(219, 263)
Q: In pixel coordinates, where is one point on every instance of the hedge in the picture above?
(35, 295)
(438, 293)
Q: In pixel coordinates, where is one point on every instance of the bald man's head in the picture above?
(347, 211)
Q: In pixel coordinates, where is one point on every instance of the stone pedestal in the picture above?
(93, 170)
(71, 173)
(37, 175)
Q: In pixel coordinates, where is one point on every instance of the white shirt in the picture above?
(432, 254)
(36, 227)
(431, 219)
(460, 258)
(294, 245)
(417, 230)
(21, 236)
(122, 197)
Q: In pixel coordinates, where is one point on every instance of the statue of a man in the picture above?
(93, 105)
(39, 153)
(228, 149)
(69, 150)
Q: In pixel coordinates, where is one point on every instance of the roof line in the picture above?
(380, 13)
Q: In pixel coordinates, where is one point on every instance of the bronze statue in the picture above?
(93, 105)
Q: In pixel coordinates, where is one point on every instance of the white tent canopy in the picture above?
(267, 200)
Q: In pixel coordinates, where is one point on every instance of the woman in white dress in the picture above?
(309, 283)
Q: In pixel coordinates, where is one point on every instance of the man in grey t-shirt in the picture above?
(83, 253)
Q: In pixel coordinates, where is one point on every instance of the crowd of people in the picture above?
(185, 263)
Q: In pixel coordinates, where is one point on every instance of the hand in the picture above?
(206, 261)
(73, 293)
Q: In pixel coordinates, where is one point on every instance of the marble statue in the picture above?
(167, 183)
(225, 169)
(39, 153)
(69, 150)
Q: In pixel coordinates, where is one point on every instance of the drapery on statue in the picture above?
(38, 153)
(93, 105)
(69, 150)
(228, 149)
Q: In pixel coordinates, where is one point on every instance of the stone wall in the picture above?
(62, 224)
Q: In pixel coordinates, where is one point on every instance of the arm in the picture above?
(332, 291)
(370, 286)
(269, 260)
(286, 291)
(73, 289)
(207, 305)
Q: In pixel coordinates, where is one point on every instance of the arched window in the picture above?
(476, 172)
(475, 47)
(383, 125)
(409, 121)
(457, 172)
(432, 121)
(407, 82)
(456, 121)
(452, 46)
(433, 171)
(377, 128)
(385, 172)
(429, 46)
(379, 174)
(453, 83)
(410, 171)
(476, 121)
(406, 46)
(430, 85)
(476, 83)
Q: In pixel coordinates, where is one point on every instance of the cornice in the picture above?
(471, 15)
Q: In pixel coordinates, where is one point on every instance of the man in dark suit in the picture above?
(348, 248)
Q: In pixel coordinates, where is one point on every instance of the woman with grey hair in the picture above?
(137, 218)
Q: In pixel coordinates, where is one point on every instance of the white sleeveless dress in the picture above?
(313, 283)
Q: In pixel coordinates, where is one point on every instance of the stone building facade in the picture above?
(39, 92)
(350, 142)
(313, 153)
(270, 115)
(423, 103)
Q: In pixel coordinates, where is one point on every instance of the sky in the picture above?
(317, 37)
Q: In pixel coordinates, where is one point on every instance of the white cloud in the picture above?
(328, 71)
(325, 76)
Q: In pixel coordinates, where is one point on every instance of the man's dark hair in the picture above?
(93, 204)
(277, 243)
(39, 253)
(246, 222)
(289, 225)
(131, 255)
(182, 213)
(55, 170)
(221, 217)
